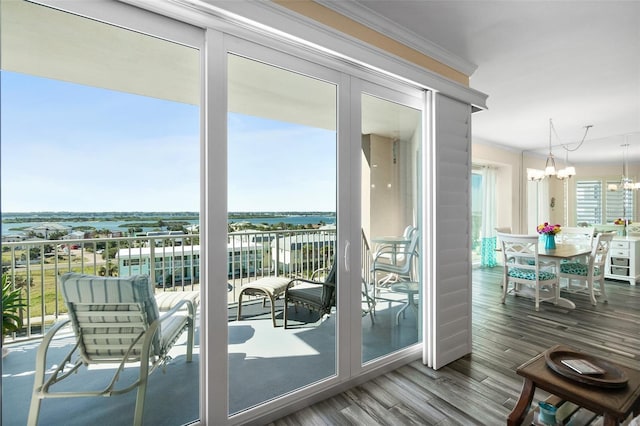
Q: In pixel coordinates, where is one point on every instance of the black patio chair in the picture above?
(313, 294)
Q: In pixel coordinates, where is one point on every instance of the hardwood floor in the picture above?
(482, 388)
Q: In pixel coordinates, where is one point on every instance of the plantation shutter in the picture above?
(449, 296)
(589, 201)
(595, 204)
(615, 205)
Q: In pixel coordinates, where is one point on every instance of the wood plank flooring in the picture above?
(482, 388)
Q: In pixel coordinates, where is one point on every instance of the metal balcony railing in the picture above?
(172, 262)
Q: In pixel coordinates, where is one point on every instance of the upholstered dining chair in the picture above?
(577, 235)
(499, 230)
(116, 321)
(581, 276)
(503, 229)
(633, 230)
(525, 271)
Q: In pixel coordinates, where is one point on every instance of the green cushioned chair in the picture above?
(580, 277)
(524, 272)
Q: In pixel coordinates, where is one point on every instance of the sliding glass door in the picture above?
(287, 165)
(282, 231)
(306, 171)
(391, 221)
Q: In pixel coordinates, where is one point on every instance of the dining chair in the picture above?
(577, 235)
(525, 271)
(633, 230)
(501, 229)
(582, 276)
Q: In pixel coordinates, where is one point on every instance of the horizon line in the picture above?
(166, 212)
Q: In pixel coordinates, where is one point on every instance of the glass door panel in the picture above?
(94, 143)
(390, 197)
(282, 225)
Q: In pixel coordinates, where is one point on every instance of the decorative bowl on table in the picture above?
(585, 368)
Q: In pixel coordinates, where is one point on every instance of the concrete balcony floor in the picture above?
(264, 362)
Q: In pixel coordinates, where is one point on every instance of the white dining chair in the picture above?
(579, 235)
(633, 230)
(525, 271)
(581, 276)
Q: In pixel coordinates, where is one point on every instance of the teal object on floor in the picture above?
(547, 415)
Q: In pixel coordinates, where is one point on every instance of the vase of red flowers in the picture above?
(549, 232)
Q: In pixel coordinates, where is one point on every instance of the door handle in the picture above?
(347, 244)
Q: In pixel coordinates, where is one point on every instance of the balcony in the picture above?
(172, 261)
(256, 349)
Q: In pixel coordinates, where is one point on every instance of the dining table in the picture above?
(563, 251)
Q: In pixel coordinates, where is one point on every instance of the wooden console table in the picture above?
(614, 405)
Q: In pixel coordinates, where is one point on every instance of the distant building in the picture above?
(177, 263)
(301, 251)
(48, 228)
(74, 235)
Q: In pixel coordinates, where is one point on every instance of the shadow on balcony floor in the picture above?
(264, 363)
(273, 362)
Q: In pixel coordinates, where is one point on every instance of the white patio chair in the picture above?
(395, 263)
(398, 277)
(390, 252)
(582, 276)
(116, 321)
(525, 271)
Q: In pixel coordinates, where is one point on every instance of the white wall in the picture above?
(512, 186)
(508, 192)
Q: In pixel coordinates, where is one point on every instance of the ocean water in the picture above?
(102, 220)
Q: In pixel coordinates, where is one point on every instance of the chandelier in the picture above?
(625, 181)
(550, 168)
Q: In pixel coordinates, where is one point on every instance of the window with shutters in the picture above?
(595, 204)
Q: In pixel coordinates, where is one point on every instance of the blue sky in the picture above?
(66, 147)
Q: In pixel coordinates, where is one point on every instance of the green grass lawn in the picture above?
(42, 293)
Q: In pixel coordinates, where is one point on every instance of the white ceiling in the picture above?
(576, 62)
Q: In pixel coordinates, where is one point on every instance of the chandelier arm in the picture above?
(566, 147)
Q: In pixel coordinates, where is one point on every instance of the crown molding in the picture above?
(387, 27)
